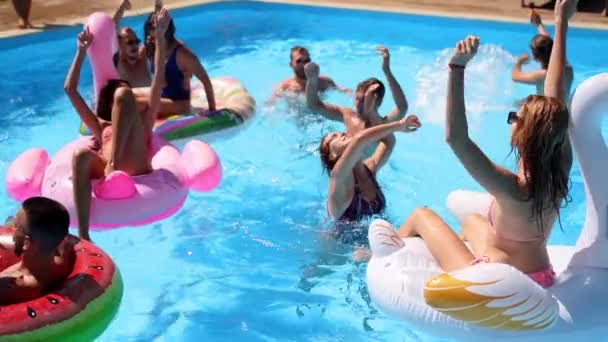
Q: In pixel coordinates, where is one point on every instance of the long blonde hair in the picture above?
(538, 144)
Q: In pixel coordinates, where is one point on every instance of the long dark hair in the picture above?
(149, 26)
(538, 144)
(105, 101)
(327, 162)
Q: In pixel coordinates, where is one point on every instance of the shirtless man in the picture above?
(541, 46)
(299, 57)
(361, 116)
(130, 60)
(40, 227)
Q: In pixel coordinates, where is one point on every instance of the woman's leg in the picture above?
(447, 248)
(129, 151)
(86, 165)
(474, 230)
(169, 107)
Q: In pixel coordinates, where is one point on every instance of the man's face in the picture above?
(298, 60)
(128, 44)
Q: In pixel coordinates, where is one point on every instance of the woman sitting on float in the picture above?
(123, 134)
(526, 203)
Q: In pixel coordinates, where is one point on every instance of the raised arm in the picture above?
(120, 11)
(341, 179)
(398, 96)
(71, 86)
(537, 21)
(312, 95)
(162, 23)
(554, 82)
(189, 61)
(496, 180)
(532, 77)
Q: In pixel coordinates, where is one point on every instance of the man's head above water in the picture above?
(40, 226)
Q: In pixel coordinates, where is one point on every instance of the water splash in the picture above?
(488, 85)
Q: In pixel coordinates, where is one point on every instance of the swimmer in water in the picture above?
(541, 46)
(40, 228)
(365, 114)
(298, 58)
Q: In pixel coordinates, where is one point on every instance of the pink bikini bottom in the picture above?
(545, 278)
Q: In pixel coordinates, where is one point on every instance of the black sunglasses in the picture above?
(133, 41)
(305, 60)
(512, 117)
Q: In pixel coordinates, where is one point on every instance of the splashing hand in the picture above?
(311, 70)
(125, 5)
(410, 123)
(465, 50)
(535, 18)
(565, 9)
(162, 20)
(85, 38)
(386, 57)
(523, 59)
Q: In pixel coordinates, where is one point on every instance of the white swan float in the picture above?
(496, 300)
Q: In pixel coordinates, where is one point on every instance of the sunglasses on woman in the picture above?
(512, 117)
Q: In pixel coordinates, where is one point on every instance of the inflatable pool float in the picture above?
(491, 300)
(80, 309)
(237, 107)
(119, 200)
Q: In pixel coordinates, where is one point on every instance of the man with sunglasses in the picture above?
(40, 229)
(130, 60)
(299, 57)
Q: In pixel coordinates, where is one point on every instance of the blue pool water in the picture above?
(248, 261)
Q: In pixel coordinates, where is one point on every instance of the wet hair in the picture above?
(105, 100)
(362, 88)
(299, 49)
(47, 222)
(541, 46)
(324, 152)
(538, 144)
(149, 24)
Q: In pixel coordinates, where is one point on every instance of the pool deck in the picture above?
(59, 13)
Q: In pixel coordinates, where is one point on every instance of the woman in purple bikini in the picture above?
(353, 192)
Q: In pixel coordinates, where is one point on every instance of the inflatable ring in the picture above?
(119, 200)
(237, 107)
(78, 310)
(491, 300)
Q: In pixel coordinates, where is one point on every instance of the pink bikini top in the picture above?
(507, 235)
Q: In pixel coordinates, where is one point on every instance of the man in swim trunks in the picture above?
(130, 60)
(39, 228)
(299, 57)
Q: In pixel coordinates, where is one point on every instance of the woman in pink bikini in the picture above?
(526, 202)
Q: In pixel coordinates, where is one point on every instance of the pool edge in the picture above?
(403, 9)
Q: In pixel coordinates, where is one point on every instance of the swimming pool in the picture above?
(247, 262)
